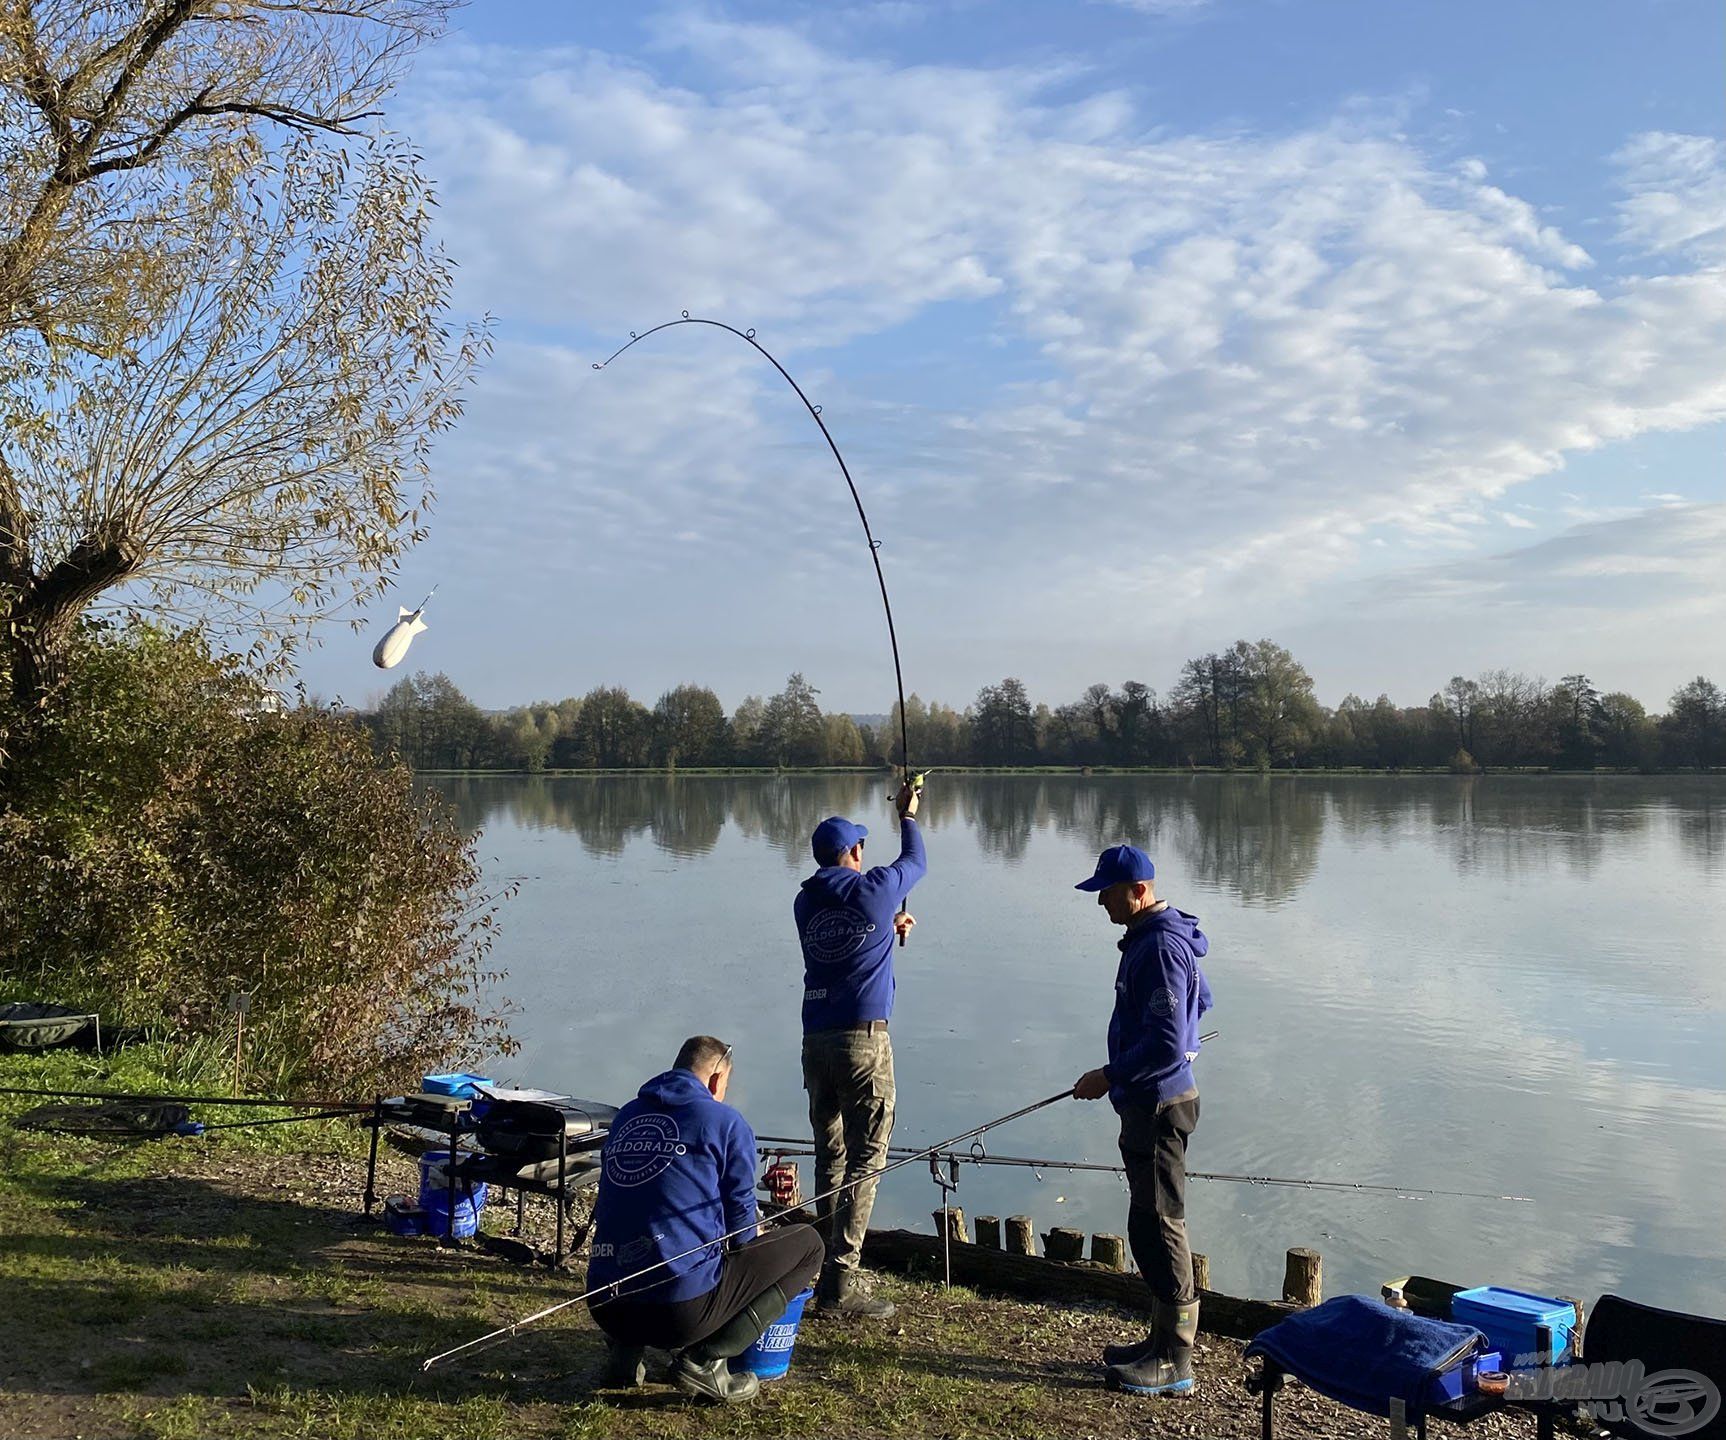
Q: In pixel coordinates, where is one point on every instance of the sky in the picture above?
(1393, 333)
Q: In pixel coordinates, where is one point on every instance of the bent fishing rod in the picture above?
(613, 1289)
(748, 337)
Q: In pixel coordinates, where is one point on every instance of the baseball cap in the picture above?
(1117, 865)
(833, 836)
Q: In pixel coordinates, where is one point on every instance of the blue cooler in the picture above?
(434, 1199)
(1509, 1318)
(770, 1356)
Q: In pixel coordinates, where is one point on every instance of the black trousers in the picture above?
(789, 1257)
(1154, 1150)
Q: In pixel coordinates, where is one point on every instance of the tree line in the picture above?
(1251, 706)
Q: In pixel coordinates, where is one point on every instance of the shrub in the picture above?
(172, 837)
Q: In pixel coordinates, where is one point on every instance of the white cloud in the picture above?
(1676, 198)
(1258, 355)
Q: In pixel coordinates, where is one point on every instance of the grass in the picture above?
(183, 1288)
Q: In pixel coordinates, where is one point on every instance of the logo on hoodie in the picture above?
(835, 935)
(642, 1149)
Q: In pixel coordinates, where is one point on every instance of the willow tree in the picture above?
(107, 107)
(221, 395)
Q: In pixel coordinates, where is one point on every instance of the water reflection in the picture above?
(1257, 837)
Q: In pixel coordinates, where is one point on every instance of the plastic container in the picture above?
(434, 1198)
(1509, 1318)
(403, 1217)
(458, 1084)
(1462, 1379)
(770, 1356)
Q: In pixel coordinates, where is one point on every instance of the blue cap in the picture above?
(833, 837)
(1117, 865)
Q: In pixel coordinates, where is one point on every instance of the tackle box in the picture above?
(1510, 1319)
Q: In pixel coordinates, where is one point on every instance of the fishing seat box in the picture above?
(1510, 1318)
(528, 1130)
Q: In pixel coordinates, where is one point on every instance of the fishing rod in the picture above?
(748, 337)
(335, 1107)
(778, 1145)
(614, 1287)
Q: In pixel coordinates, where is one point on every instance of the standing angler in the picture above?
(1160, 993)
(847, 924)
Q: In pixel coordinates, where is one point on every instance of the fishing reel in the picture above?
(782, 1183)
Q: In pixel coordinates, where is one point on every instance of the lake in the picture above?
(1513, 985)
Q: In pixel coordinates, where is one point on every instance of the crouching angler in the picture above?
(678, 1169)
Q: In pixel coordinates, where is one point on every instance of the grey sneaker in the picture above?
(846, 1293)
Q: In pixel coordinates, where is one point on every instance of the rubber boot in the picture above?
(1131, 1354)
(625, 1365)
(1167, 1370)
(840, 1292)
(702, 1371)
(712, 1379)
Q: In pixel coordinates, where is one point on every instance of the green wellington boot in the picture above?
(1168, 1368)
(625, 1366)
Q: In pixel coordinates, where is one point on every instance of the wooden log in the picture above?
(1201, 1271)
(1021, 1235)
(955, 1220)
(989, 1231)
(1034, 1278)
(1303, 1278)
(1064, 1245)
(1109, 1251)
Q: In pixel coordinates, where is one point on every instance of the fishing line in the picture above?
(613, 1289)
(748, 337)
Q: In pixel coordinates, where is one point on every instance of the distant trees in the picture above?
(1252, 705)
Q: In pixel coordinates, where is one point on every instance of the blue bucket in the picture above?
(770, 1356)
(434, 1199)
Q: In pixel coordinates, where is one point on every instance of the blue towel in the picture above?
(1359, 1351)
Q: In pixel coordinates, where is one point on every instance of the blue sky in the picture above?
(1392, 332)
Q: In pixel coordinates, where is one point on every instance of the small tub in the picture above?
(435, 1198)
(770, 1356)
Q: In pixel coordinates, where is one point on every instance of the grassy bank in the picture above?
(224, 1286)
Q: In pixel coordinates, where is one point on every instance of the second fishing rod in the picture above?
(613, 1290)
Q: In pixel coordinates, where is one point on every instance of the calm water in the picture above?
(1513, 985)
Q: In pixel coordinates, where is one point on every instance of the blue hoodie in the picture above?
(677, 1169)
(1160, 993)
(845, 923)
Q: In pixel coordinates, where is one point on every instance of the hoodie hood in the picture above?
(674, 1087)
(837, 882)
(1170, 924)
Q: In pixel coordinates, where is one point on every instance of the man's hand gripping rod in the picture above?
(614, 1289)
(913, 783)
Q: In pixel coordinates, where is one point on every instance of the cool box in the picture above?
(1509, 1319)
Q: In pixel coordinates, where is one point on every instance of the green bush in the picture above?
(171, 837)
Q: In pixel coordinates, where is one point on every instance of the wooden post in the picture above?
(1201, 1271)
(1021, 1235)
(1109, 1250)
(1063, 1245)
(989, 1231)
(955, 1218)
(1303, 1277)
